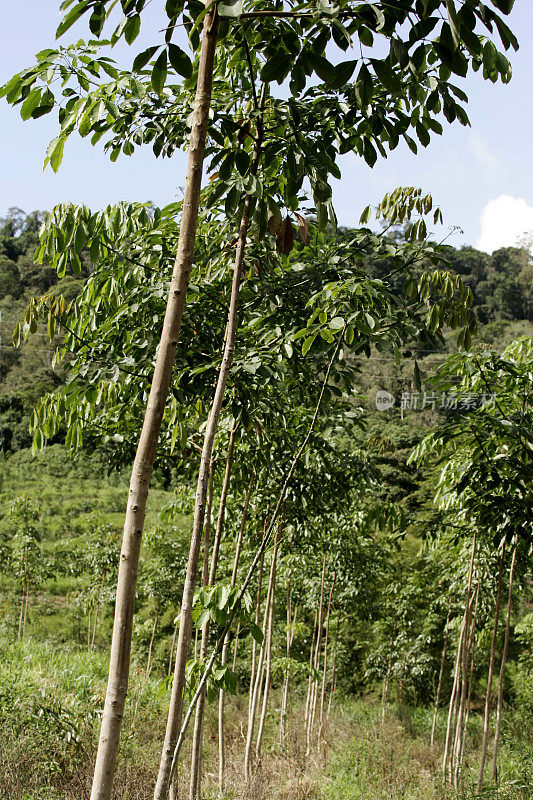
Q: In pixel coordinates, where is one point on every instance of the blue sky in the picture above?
(480, 176)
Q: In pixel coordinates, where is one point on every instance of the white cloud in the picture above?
(482, 152)
(504, 221)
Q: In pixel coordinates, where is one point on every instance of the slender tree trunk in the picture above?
(285, 690)
(486, 724)
(494, 773)
(255, 561)
(235, 646)
(176, 701)
(314, 689)
(198, 733)
(256, 620)
(27, 600)
(224, 655)
(259, 673)
(88, 630)
(94, 626)
(268, 655)
(464, 731)
(172, 643)
(310, 680)
(454, 697)
(19, 635)
(385, 689)
(325, 667)
(144, 459)
(334, 669)
(441, 673)
(467, 667)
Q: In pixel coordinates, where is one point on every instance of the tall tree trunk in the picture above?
(454, 697)
(144, 459)
(224, 655)
(198, 733)
(314, 689)
(268, 655)
(467, 669)
(256, 620)
(441, 674)
(182, 650)
(88, 629)
(27, 600)
(472, 652)
(486, 724)
(325, 667)
(310, 679)
(255, 561)
(172, 643)
(21, 615)
(334, 668)
(94, 626)
(494, 773)
(291, 622)
(259, 672)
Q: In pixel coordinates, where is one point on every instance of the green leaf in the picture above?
(365, 216)
(72, 17)
(336, 324)
(143, 58)
(306, 346)
(159, 72)
(233, 8)
(386, 75)
(275, 69)
(30, 104)
(54, 153)
(417, 377)
(179, 60)
(132, 28)
(504, 5)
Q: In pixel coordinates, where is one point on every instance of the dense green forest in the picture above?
(266, 482)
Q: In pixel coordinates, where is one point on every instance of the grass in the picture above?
(50, 701)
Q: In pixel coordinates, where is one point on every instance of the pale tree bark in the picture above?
(472, 650)
(494, 772)
(256, 620)
(256, 692)
(461, 694)
(255, 561)
(325, 667)
(486, 723)
(334, 669)
(268, 655)
(144, 459)
(291, 625)
(454, 697)
(441, 674)
(318, 650)
(224, 654)
(198, 733)
(310, 679)
(184, 637)
(172, 643)
(94, 626)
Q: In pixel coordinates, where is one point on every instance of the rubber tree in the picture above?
(276, 37)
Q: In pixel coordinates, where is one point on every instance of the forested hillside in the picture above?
(266, 485)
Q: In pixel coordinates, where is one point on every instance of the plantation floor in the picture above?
(50, 698)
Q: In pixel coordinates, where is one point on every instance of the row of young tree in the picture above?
(260, 366)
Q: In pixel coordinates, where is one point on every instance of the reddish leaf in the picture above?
(285, 239)
(274, 220)
(303, 228)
